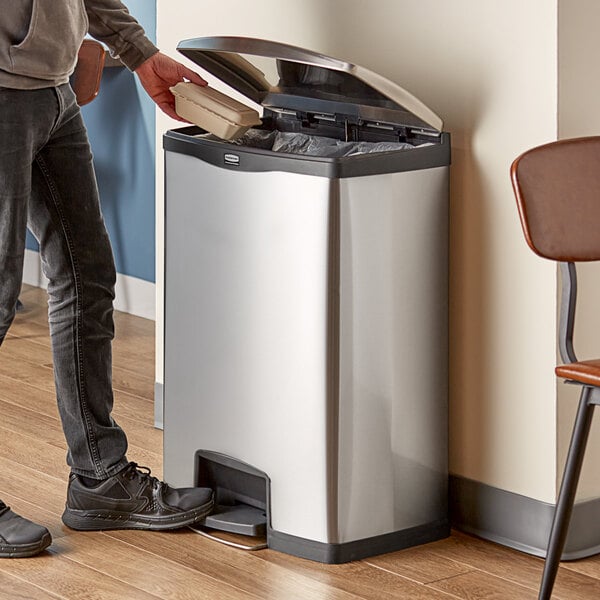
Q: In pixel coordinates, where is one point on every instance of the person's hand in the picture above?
(160, 72)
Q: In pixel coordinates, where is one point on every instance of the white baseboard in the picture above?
(132, 295)
(135, 296)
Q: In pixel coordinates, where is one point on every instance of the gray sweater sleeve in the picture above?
(111, 23)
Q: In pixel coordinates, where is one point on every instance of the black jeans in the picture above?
(47, 180)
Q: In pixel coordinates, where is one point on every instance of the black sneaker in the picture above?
(20, 537)
(133, 499)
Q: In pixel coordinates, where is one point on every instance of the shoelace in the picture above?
(135, 471)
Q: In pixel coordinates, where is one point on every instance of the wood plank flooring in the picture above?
(181, 565)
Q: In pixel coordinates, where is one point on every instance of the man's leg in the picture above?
(16, 155)
(64, 215)
(105, 490)
(26, 119)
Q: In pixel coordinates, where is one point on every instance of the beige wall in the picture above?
(490, 70)
(579, 115)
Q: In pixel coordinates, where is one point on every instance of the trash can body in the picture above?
(306, 303)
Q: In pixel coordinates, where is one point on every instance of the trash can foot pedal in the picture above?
(237, 518)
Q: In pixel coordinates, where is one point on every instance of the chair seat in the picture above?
(584, 371)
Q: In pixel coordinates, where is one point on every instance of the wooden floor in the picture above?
(182, 565)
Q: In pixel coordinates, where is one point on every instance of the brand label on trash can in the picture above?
(231, 159)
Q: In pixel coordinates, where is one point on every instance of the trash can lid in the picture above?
(284, 77)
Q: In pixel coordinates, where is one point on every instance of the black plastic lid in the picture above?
(283, 77)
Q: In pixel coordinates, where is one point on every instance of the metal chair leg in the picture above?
(566, 497)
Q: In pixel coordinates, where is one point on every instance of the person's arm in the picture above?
(111, 23)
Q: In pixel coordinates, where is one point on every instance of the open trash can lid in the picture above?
(283, 77)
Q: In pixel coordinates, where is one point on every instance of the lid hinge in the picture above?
(307, 119)
(351, 128)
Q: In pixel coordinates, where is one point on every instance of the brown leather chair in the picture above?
(557, 187)
(85, 80)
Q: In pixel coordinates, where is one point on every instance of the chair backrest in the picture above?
(558, 194)
(88, 72)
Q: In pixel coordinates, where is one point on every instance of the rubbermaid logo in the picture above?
(232, 159)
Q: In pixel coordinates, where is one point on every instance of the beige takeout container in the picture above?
(213, 111)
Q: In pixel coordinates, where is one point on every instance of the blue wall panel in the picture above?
(121, 128)
(124, 160)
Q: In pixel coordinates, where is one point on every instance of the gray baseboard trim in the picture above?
(158, 405)
(520, 522)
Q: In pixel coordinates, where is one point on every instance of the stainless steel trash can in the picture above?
(306, 309)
